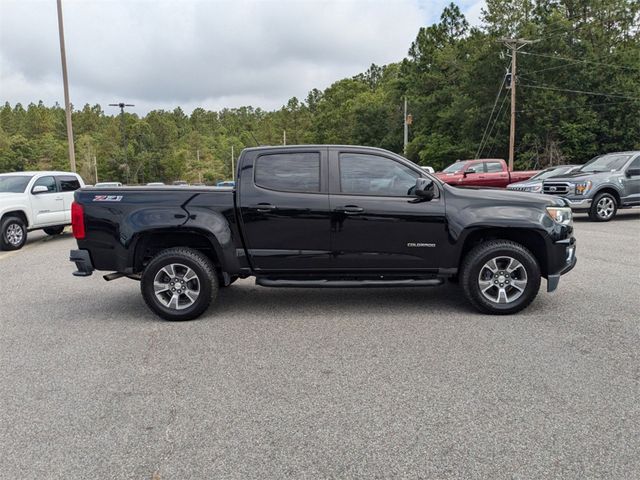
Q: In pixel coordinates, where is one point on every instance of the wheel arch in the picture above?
(148, 243)
(533, 240)
(16, 213)
(611, 190)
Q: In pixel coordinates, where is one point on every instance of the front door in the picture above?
(47, 207)
(631, 182)
(67, 184)
(284, 206)
(377, 224)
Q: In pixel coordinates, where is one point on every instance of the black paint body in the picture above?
(250, 230)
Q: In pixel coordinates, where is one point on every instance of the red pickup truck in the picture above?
(485, 172)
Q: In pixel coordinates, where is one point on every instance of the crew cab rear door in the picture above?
(377, 224)
(284, 208)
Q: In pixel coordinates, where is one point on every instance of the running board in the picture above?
(268, 282)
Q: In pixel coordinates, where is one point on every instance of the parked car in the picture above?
(534, 184)
(155, 184)
(428, 169)
(226, 183)
(180, 183)
(488, 172)
(108, 185)
(325, 216)
(601, 186)
(33, 201)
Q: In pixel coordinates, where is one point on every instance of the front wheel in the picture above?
(603, 208)
(500, 277)
(179, 284)
(13, 233)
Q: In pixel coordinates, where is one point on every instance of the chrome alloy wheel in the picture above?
(14, 234)
(502, 280)
(176, 286)
(605, 207)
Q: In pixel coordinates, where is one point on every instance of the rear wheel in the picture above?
(603, 208)
(500, 277)
(179, 284)
(13, 233)
(53, 231)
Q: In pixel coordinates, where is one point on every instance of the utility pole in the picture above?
(95, 167)
(514, 44)
(65, 81)
(406, 127)
(121, 105)
(284, 137)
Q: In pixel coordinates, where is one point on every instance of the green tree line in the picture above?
(578, 95)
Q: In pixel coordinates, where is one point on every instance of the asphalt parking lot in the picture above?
(279, 383)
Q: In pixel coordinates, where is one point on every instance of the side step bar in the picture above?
(269, 282)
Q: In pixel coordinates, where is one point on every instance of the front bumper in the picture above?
(579, 203)
(82, 259)
(565, 252)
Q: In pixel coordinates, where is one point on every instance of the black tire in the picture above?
(13, 233)
(207, 283)
(53, 231)
(603, 208)
(475, 270)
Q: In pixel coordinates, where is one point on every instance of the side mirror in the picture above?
(425, 189)
(632, 172)
(39, 189)
(468, 171)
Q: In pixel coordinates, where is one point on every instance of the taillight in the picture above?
(77, 220)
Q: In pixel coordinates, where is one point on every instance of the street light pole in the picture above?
(121, 105)
(65, 81)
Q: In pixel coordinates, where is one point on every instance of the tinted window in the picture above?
(14, 183)
(291, 172)
(493, 167)
(373, 175)
(635, 163)
(48, 182)
(68, 184)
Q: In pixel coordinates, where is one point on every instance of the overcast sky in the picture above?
(214, 54)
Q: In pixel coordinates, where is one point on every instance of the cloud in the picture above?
(159, 54)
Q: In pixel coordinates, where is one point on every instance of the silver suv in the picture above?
(601, 186)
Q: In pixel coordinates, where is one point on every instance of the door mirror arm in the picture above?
(424, 190)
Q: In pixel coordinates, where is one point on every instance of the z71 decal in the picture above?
(107, 198)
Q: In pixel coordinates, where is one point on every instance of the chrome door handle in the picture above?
(349, 209)
(263, 207)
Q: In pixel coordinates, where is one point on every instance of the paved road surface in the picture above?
(275, 383)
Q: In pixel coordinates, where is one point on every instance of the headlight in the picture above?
(536, 188)
(561, 215)
(583, 187)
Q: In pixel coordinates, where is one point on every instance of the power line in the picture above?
(557, 57)
(491, 114)
(598, 94)
(576, 107)
(495, 121)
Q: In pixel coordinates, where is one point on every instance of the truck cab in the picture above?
(601, 186)
(32, 201)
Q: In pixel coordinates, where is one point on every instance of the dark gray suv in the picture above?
(601, 186)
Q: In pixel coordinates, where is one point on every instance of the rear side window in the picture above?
(48, 182)
(493, 167)
(68, 184)
(289, 172)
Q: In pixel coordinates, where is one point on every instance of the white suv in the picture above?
(32, 201)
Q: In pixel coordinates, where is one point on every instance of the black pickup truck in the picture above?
(324, 216)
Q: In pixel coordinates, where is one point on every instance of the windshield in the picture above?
(456, 167)
(14, 183)
(551, 172)
(606, 163)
